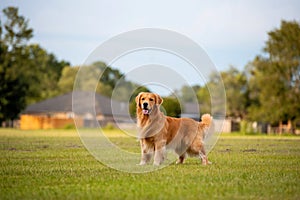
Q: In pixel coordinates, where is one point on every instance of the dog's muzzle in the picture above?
(146, 110)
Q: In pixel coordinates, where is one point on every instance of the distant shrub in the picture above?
(246, 128)
(109, 126)
(69, 126)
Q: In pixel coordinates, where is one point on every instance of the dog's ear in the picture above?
(159, 100)
(137, 98)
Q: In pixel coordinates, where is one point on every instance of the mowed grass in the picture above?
(55, 165)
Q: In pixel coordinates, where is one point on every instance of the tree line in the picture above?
(29, 74)
(266, 90)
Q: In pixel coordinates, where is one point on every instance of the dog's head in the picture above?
(146, 102)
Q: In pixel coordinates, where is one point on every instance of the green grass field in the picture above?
(55, 165)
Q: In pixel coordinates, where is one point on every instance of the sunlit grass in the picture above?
(54, 164)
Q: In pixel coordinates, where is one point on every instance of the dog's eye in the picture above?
(143, 98)
(151, 99)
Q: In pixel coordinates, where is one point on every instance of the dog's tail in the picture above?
(206, 121)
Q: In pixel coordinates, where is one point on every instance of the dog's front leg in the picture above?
(146, 157)
(160, 153)
(146, 153)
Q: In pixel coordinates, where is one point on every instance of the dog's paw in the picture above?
(142, 163)
(206, 163)
(178, 162)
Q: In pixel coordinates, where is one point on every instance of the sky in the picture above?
(231, 32)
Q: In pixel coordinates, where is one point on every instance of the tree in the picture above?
(16, 31)
(171, 107)
(88, 79)
(204, 99)
(28, 73)
(235, 83)
(13, 86)
(67, 79)
(188, 94)
(275, 77)
(42, 72)
(12, 89)
(111, 84)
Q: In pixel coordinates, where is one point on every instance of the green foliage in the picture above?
(13, 85)
(42, 71)
(109, 126)
(275, 79)
(112, 83)
(171, 107)
(27, 72)
(67, 79)
(189, 94)
(69, 126)
(247, 129)
(13, 92)
(15, 30)
(235, 83)
(204, 100)
(268, 90)
(110, 76)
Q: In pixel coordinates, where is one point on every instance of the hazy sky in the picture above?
(232, 32)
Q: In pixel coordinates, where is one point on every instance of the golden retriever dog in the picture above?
(158, 132)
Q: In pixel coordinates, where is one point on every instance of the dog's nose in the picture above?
(145, 105)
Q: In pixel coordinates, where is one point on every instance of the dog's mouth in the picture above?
(146, 111)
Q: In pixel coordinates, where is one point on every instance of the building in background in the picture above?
(57, 112)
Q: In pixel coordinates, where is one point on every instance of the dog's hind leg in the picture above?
(203, 157)
(181, 159)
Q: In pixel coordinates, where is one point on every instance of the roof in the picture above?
(80, 102)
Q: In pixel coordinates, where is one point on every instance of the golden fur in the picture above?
(158, 132)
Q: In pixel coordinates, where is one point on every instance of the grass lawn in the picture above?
(55, 165)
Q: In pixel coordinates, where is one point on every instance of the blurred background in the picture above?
(255, 45)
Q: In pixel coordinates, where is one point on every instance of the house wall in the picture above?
(30, 122)
(226, 126)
